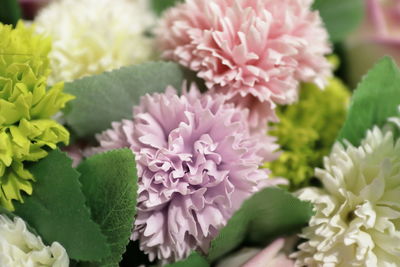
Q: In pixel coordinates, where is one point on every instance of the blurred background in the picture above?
(362, 31)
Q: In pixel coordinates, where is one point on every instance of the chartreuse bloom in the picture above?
(307, 130)
(26, 108)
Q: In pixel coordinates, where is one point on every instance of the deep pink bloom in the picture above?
(197, 162)
(239, 47)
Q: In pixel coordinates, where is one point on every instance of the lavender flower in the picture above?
(197, 162)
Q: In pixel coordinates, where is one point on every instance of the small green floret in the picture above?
(26, 108)
(307, 131)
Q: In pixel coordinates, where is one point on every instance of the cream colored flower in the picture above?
(357, 219)
(21, 248)
(93, 36)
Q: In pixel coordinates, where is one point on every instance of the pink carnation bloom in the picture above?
(261, 48)
(197, 162)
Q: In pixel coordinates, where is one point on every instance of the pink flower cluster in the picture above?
(254, 49)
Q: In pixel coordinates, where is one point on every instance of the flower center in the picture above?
(350, 216)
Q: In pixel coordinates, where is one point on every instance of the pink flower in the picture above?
(262, 48)
(271, 256)
(75, 152)
(383, 17)
(379, 35)
(197, 162)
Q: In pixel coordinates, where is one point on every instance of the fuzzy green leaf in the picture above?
(109, 182)
(376, 99)
(267, 214)
(108, 97)
(57, 209)
(194, 260)
(10, 12)
(340, 16)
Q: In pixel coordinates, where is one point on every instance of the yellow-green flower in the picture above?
(307, 130)
(26, 108)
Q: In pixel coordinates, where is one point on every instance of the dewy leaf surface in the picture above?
(109, 182)
(57, 209)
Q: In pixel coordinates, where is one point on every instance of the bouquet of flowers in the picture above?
(199, 133)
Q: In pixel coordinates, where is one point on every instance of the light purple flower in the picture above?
(75, 152)
(197, 162)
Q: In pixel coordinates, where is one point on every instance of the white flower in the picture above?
(357, 219)
(93, 36)
(21, 248)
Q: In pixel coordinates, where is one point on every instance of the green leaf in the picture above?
(376, 99)
(109, 182)
(267, 214)
(340, 16)
(194, 260)
(108, 97)
(11, 215)
(160, 5)
(10, 12)
(57, 209)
